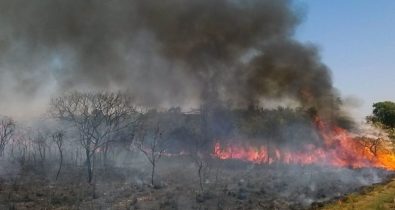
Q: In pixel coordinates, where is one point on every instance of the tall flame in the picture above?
(340, 149)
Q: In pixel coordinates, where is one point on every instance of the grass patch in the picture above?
(375, 198)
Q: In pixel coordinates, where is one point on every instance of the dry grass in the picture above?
(376, 197)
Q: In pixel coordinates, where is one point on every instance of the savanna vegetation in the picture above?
(102, 151)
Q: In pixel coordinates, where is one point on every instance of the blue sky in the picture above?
(357, 42)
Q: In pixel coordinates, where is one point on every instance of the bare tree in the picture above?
(202, 165)
(199, 140)
(40, 145)
(151, 147)
(7, 129)
(201, 159)
(57, 138)
(203, 137)
(23, 144)
(97, 118)
(374, 145)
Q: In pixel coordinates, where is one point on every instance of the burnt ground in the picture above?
(227, 185)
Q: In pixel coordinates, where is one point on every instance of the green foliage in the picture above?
(384, 117)
(384, 113)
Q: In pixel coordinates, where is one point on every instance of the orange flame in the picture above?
(339, 149)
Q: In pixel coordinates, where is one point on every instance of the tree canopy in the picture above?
(384, 113)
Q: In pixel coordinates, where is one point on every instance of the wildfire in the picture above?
(340, 149)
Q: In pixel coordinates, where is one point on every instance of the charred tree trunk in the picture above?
(153, 173)
(60, 163)
(93, 177)
(105, 155)
(2, 147)
(200, 167)
(89, 165)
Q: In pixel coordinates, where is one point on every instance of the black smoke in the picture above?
(164, 52)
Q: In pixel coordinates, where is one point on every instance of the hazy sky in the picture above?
(357, 41)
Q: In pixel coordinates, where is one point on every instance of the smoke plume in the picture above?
(174, 52)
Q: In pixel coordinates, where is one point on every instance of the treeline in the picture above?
(90, 129)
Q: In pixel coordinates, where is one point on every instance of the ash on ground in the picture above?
(226, 184)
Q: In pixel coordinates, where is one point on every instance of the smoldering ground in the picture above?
(173, 52)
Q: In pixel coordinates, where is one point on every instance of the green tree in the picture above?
(384, 117)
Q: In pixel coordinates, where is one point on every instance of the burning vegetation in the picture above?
(166, 105)
(99, 150)
(339, 148)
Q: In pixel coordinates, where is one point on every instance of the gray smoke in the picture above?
(165, 52)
